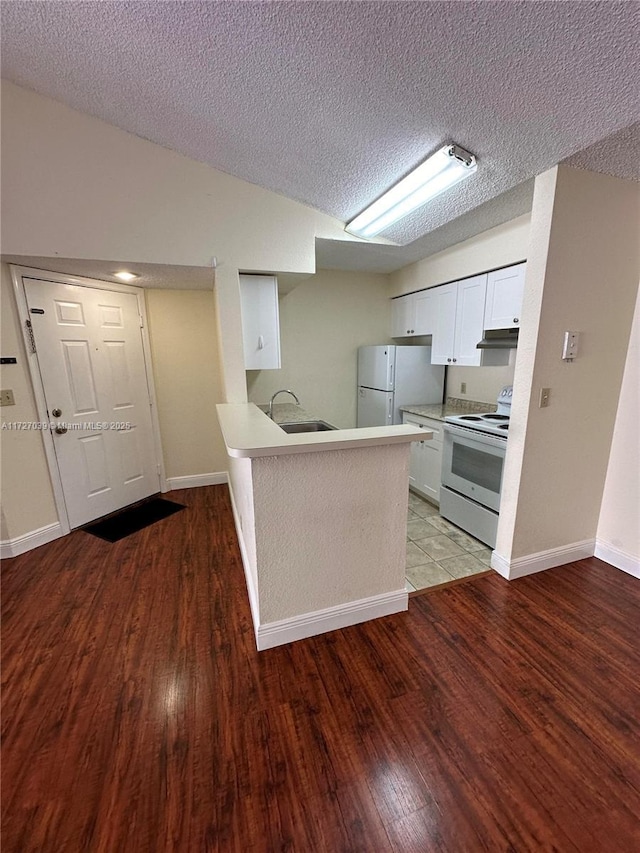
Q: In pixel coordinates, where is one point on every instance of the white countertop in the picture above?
(248, 432)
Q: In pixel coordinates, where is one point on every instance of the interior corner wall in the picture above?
(27, 496)
(582, 274)
(498, 247)
(323, 321)
(619, 521)
(187, 380)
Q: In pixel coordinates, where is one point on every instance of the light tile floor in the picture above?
(438, 551)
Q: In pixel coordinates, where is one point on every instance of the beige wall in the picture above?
(75, 187)
(619, 522)
(582, 274)
(483, 383)
(506, 244)
(323, 321)
(27, 498)
(184, 348)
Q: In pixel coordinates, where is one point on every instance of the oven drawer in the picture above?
(472, 465)
(478, 521)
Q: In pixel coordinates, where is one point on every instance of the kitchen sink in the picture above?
(306, 426)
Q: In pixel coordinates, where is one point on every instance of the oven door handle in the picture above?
(476, 435)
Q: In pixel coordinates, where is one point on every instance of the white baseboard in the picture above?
(29, 541)
(618, 558)
(192, 481)
(330, 619)
(532, 563)
(251, 589)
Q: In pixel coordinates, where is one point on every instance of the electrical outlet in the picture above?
(6, 398)
(463, 387)
(544, 397)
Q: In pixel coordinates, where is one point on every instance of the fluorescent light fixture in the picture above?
(124, 275)
(447, 167)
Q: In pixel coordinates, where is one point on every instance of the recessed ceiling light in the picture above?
(438, 173)
(123, 275)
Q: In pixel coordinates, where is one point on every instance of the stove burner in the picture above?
(502, 426)
(470, 417)
(495, 417)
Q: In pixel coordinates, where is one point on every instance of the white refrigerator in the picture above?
(394, 376)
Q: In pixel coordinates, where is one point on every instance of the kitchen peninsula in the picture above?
(321, 520)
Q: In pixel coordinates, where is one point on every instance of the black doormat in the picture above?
(132, 520)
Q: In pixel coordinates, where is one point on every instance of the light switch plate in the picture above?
(6, 398)
(570, 344)
(544, 397)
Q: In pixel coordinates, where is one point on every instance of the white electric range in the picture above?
(472, 463)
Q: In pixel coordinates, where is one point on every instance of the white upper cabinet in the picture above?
(413, 314)
(260, 322)
(459, 321)
(425, 311)
(505, 289)
(444, 332)
(403, 316)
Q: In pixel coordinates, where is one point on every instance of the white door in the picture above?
(505, 290)
(89, 350)
(375, 408)
(444, 327)
(469, 320)
(376, 367)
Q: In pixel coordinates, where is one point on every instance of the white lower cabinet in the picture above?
(425, 462)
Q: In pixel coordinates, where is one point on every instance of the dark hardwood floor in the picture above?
(139, 717)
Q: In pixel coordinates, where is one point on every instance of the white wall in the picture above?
(482, 383)
(27, 497)
(619, 521)
(186, 369)
(75, 187)
(582, 274)
(323, 321)
(498, 247)
(330, 528)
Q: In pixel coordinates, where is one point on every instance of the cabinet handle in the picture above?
(455, 359)
(448, 359)
(516, 319)
(408, 331)
(260, 342)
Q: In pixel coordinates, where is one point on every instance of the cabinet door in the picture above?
(260, 322)
(430, 469)
(444, 326)
(415, 460)
(505, 289)
(403, 316)
(469, 320)
(425, 312)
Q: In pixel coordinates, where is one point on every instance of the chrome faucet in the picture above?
(283, 391)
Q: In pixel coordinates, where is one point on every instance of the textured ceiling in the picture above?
(329, 103)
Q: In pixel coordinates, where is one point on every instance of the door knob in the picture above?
(56, 413)
(60, 430)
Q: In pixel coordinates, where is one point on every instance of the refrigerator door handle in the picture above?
(390, 412)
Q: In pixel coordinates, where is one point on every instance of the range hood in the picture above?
(499, 339)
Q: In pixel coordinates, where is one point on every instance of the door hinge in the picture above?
(30, 336)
